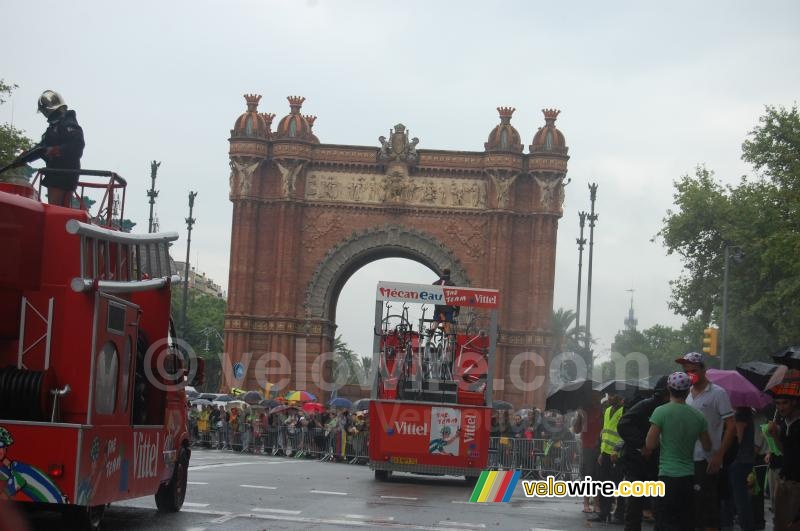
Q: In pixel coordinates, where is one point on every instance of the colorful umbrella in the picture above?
(741, 392)
(313, 407)
(300, 396)
(789, 386)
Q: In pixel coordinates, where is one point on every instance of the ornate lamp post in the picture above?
(581, 243)
(189, 222)
(592, 220)
(152, 193)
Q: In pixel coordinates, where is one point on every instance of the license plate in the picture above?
(404, 460)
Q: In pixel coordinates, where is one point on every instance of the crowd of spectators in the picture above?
(716, 459)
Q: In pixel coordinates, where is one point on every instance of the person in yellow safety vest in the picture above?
(607, 469)
(202, 423)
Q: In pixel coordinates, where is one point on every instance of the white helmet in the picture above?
(50, 101)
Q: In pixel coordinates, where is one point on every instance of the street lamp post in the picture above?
(152, 193)
(581, 241)
(737, 253)
(592, 220)
(189, 222)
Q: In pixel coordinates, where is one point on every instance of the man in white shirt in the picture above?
(713, 402)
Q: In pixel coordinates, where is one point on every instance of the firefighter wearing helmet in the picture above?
(61, 148)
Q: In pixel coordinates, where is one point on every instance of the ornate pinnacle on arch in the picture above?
(506, 112)
(268, 117)
(310, 119)
(295, 102)
(252, 101)
(550, 115)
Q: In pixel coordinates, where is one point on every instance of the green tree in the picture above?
(12, 140)
(205, 319)
(759, 215)
(661, 345)
(347, 361)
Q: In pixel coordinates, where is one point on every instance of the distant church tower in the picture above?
(631, 321)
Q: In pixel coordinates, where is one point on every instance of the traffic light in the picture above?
(710, 341)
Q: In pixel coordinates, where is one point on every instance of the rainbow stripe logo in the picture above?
(494, 486)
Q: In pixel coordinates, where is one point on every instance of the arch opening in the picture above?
(360, 249)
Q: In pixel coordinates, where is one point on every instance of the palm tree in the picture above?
(560, 327)
(566, 339)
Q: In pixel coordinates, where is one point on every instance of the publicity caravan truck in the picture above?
(92, 401)
(430, 407)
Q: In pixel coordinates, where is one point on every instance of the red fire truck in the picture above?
(92, 406)
(430, 411)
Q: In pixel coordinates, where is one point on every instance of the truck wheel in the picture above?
(170, 496)
(382, 475)
(471, 481)
(83, 518)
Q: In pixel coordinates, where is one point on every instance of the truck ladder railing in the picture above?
(121, 262)
(48, 322)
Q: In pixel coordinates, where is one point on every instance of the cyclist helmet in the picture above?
(50, 101)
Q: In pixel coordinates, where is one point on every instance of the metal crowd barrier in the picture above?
(535, 458)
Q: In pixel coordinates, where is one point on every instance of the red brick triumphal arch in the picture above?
(307, 215)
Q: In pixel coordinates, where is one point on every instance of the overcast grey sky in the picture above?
(647, 91)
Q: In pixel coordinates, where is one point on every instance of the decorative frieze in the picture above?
(395, 188)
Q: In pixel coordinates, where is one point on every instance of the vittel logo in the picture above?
(470, 426)
(408, 428)
(486, 299)
(145, 455)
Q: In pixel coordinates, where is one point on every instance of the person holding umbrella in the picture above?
(607, 460)
(785, 429)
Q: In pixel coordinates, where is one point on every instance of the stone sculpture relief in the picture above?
(551, 192)
(242, 170)
(502, 183)
(395, 188)
(289, 173)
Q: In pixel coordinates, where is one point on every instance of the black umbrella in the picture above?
(630, 390)
(621, 386)
(758, 373)
(361, 405)
(269, 403)
(570, 396)
(790, 356)
(252, 397)
(501, 404)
